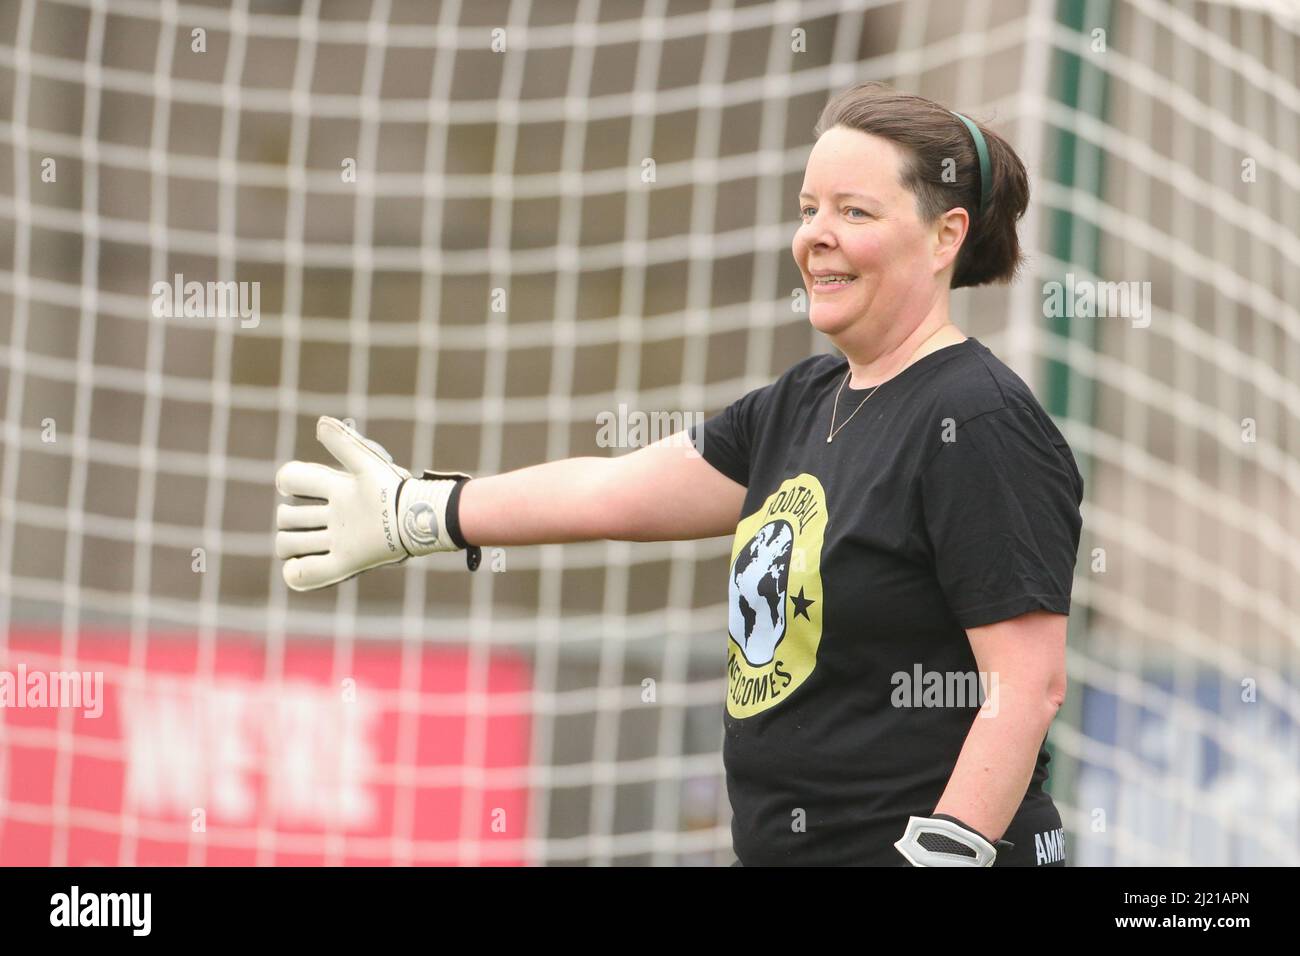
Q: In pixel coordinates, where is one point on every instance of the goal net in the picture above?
(484, 232)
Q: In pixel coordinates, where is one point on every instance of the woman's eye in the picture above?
(852, 212)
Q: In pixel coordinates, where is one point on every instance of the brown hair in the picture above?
(929, 134)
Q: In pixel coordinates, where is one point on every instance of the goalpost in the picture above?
(486, 231)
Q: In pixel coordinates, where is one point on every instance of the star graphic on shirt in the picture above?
(801, 605)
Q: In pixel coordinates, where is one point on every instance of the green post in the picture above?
(1077, 82)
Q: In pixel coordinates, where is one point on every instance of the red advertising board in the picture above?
(233, 751)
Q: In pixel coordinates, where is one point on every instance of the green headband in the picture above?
(982, 148)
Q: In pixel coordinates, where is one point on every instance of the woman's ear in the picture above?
(949, 232)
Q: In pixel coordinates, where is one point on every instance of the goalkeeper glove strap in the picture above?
(473, 556)
(941, 840)
(429, 515)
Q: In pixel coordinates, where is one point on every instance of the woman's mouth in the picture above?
(832, 283)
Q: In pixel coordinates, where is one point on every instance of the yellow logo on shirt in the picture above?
(774, 597)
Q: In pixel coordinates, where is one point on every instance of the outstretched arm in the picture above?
(663, 492)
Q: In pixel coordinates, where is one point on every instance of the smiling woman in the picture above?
(947, 524)
(902, 201)
(937, 537)
(945, 530)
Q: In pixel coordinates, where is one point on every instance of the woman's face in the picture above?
(858, 223)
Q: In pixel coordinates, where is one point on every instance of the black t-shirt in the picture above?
(949, 501)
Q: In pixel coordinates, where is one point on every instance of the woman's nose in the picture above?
(820, 236)
(819, 232)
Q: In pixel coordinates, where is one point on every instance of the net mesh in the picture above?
(473, 228)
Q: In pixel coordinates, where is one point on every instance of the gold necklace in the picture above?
(835, 431)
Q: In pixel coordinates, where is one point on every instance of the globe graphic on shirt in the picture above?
(756, 595)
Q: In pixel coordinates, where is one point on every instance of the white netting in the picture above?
(474, 228)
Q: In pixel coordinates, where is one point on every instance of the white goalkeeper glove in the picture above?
(941, 840)
(372, 514)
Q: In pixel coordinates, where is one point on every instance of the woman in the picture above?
(900, 557)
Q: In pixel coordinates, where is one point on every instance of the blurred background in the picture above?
(473, 228)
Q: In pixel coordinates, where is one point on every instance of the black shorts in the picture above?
(1036, 832)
